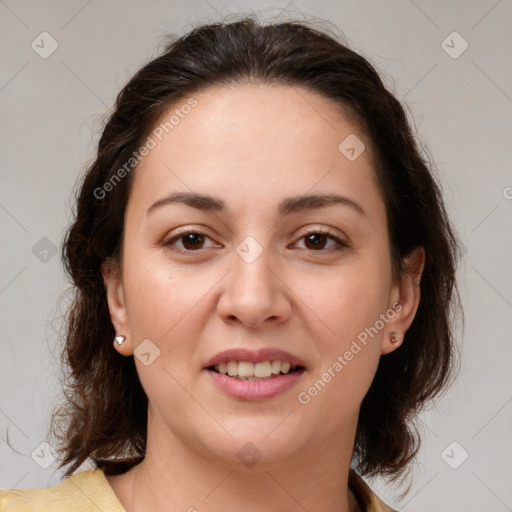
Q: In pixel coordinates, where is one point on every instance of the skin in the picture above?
(252, 146)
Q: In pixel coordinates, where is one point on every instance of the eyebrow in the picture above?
(287, 206)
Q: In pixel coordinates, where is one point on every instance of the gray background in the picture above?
(52, 109)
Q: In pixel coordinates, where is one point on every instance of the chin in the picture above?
(253, 444)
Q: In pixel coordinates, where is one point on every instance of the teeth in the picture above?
(263, 369)
(276, 367)
(232, 368)
(285, 367)
(246, 369)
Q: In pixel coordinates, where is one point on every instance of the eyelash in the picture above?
(341, 243)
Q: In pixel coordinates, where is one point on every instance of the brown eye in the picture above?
(317, 240)
(191, 241)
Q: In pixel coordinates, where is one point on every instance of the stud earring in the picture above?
(394, 339)
(119, 339)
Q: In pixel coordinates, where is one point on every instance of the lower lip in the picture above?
(255, 389)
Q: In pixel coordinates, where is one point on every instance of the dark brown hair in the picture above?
(105, 415)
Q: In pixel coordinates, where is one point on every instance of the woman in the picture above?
(264, 274)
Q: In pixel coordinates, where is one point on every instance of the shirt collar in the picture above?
(368, 501)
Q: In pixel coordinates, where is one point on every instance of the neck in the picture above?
(173, 476)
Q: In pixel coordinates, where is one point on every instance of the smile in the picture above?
(248, 371)
(254, 375)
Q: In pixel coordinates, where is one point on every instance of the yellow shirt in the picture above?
(89, 491)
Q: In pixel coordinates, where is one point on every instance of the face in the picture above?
(255, 280)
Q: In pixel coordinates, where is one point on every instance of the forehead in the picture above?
(255, 141)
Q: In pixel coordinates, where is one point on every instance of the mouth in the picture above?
(254, 375)
(260, 371)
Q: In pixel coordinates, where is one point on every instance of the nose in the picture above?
(254, 292)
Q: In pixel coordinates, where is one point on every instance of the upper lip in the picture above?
(254, 356)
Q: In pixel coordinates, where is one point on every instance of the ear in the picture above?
(405, 300)
(112, 278)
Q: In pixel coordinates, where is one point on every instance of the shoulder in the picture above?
(368, 500)
(86, 491)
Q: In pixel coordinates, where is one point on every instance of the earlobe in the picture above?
(392, 342)
(125, 350)
(116, 302)
(408, 291)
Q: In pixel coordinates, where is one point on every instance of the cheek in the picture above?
(159, 293)
(163, 307)
(351, 306)
(352, 298)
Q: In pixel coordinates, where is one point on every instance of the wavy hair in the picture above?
(104, 416)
